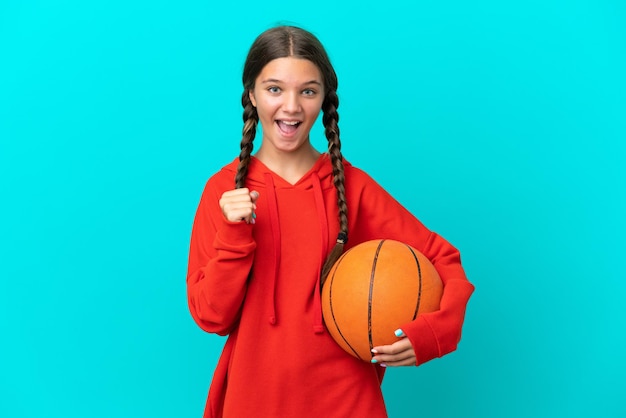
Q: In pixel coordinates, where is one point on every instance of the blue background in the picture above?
(501, 125)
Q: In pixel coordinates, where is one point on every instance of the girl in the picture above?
(267, 230)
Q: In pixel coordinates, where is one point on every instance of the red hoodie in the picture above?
(259, 283)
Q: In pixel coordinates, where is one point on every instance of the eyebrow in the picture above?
(273, 80)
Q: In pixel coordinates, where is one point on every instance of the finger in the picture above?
(400, 353)
(227, 198)
(409, 361)
(237, 192)
(403, 359)
(240, 215)
(237, 211)
(391, 352)
(395, 348)
(254, 195)
(236, 204)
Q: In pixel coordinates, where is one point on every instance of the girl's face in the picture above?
(288, 96)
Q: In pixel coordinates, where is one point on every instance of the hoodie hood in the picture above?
(257, 171)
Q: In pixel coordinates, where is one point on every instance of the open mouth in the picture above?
(288, 127)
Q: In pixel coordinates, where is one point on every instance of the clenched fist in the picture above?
(239, 205)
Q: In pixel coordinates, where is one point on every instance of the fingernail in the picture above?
(374, 351)
(253, 215)
(399, 333)
(252, 221)
(374, 361)
(383, 365)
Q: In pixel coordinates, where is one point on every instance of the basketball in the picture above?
(373, 289)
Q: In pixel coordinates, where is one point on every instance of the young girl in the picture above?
(267, 230)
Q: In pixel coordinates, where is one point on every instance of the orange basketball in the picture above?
(373, 289)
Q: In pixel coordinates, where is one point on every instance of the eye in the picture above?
(309, 92)
(273, 89)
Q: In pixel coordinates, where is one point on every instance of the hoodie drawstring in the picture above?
(273, 208)
(318, 324)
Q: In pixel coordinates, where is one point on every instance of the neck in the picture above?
(291, 166)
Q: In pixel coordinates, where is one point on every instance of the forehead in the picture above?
(290, 70)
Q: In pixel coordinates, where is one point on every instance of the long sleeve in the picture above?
(220, 259)
(381, 216)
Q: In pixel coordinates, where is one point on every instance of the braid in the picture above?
(250, 120)
(330, 120)
(291, 41)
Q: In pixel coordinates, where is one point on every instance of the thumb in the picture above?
(399, 333)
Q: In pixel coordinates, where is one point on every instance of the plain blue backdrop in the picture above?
(501, 125)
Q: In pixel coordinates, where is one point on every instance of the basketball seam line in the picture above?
(332, 311)
(371, 295)
(419, 282)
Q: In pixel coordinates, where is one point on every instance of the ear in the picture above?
(251, 96)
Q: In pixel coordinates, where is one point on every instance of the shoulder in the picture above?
(221, 181)
(357, 176)
(226, 175)
(359, 184)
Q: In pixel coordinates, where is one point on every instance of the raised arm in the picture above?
(220, 259)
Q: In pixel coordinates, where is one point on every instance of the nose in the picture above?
(292, 102)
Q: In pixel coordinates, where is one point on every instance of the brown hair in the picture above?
(290, 41)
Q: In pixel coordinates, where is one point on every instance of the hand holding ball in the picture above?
(373, 289)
